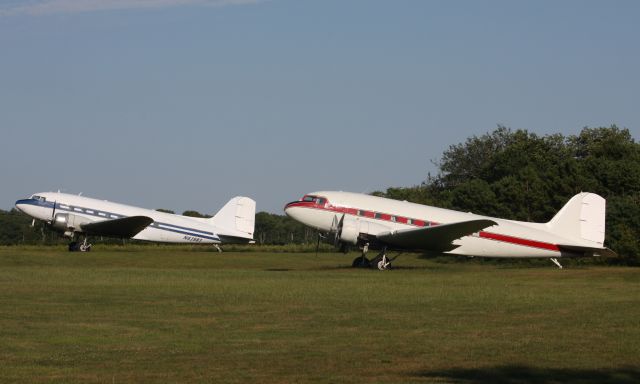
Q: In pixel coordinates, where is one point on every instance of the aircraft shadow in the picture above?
(518, 374)
(349, 267)
(343, 268)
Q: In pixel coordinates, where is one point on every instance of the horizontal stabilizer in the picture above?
(587, 251)
(126, 227)
(436, 238)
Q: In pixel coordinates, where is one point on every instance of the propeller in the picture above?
(338, 230)
(53, 213)
(318, 243)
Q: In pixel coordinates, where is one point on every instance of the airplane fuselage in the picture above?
(375, 215)
(165, 227)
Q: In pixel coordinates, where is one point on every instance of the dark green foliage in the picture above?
(15, 228)
(475, 196)
(165, 210)
(623, 227)
(611, 158)
(421, 194)
(12, 225)
(280, 229)
(195, 214)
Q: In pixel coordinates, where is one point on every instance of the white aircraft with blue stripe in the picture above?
(80, 216)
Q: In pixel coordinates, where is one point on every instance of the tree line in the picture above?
(513, 174)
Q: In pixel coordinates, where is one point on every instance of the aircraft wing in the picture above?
(124, 227)
(436, 238)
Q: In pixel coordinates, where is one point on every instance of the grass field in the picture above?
(154, 315)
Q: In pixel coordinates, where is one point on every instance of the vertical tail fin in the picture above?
(237, 217)
(582, 219)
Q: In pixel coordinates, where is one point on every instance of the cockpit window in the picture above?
(314, 199)
(39, 198)
(321, 201)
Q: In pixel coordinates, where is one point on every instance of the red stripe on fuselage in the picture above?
(422, 223)
(519, 241)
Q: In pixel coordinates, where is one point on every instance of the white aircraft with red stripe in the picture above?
(75, 215)
(353, 219)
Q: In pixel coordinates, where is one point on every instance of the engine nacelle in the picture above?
(68, 223)
(350, 230)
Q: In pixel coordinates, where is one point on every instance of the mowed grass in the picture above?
(154, 315)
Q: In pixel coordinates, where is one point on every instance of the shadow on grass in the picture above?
(372, 268)
(518, 374)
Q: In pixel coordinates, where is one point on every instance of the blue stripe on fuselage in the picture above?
(37, 203)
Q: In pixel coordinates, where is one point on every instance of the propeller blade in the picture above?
(338, 233)
(53, 213)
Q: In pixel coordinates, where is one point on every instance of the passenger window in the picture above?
(378, 215)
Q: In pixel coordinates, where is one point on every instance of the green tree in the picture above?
(279, 229)
(15, 228)
(611, 157)
(195, 214)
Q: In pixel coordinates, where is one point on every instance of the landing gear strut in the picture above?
(362, 261)
(384, 263)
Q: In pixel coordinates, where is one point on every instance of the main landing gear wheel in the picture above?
(381, 261)
(384, 264)
(361, 262)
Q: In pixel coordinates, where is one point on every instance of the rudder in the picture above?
(237, 216)
(581, 219)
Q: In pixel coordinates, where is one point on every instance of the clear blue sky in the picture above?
(182, 104)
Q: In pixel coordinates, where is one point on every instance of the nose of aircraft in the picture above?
(292, 210)
(20, 204)
(287, 208)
